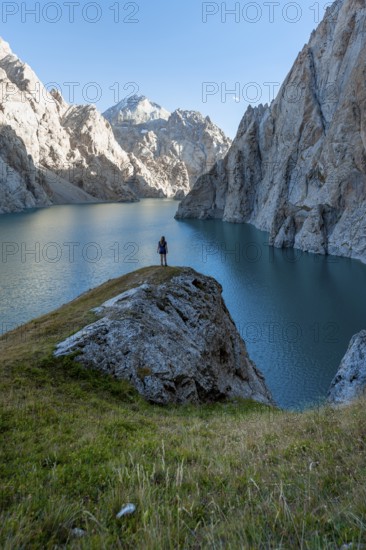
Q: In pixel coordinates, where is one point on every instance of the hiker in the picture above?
(163, 250)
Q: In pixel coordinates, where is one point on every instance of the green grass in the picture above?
(77, 445)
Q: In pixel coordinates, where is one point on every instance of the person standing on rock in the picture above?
(163, 250)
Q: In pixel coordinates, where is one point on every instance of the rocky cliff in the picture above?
(176, 148)
(51, 152)
(350, 381)
(297, 168)
(173, 339)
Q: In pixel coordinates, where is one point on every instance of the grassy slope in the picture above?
(76, 446)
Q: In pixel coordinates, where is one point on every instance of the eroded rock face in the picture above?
(50, 152)
(174, 341)
(297, 168)
(103, 169)
(176, 148)
(350, 381)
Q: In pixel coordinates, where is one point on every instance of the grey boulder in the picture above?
(174, 341)
(350, 381)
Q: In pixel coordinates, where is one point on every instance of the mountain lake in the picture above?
(296, 311)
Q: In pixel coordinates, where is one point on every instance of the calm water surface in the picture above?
(296, 311)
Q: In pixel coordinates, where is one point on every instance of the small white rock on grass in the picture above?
(78, 533)
(126, 510)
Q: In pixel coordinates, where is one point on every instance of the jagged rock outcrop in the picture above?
(51, 152)
(350, 381)
(176, 148)
(297, 168)
(174, 341)
(103, 169)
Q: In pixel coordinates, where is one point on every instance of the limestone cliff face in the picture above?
(297, 168)
(176, 148)
(100, 166)
(51, 152)
(174, 341)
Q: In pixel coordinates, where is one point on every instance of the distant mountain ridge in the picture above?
(176, 147)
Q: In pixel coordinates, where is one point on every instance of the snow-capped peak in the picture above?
(135, 109)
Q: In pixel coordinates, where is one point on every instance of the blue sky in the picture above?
(186, 54)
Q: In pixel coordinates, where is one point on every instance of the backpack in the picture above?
(162, 247)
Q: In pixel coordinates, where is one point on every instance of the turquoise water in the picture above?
(296, 311)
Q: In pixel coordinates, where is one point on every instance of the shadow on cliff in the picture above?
(90, 180)
(16, 158)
